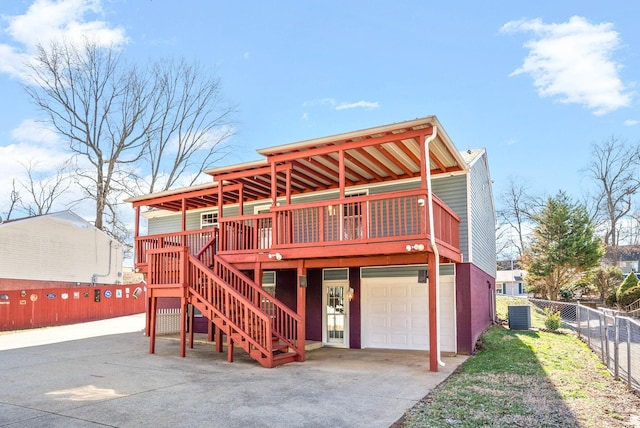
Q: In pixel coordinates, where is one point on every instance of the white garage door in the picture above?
(395, 313)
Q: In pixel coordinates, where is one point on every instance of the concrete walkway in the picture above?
(100, 374)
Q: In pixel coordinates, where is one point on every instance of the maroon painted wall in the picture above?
(314, 305)
(55, 303)
(286, 288)
(475, 300)
(355, 320)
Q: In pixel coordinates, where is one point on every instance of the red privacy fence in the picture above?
(43, 307)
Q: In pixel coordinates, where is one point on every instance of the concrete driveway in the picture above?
(100, 374)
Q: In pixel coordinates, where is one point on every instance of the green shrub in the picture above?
(552, 319)
(565, 294)
(629, 296)
(611, 300)
(629, 282)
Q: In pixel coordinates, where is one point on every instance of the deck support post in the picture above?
(183, 326)
(433, 316)
(229, 347)
(152, 324)
(218, 334)
(147, 321)
(301, 309)
(191, 328)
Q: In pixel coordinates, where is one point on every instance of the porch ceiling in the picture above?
(378, 154)
(384, 153)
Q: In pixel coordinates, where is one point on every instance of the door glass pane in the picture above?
(335, 314)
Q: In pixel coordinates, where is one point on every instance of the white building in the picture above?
(58, 248)
(511, 282)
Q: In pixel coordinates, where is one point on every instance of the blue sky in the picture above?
(535, 83)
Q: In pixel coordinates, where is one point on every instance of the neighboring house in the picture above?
(379, 238)
(628, 258)
(59, 247)
(50, 267)
(511, 282)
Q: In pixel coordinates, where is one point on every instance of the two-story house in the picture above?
(378, 238)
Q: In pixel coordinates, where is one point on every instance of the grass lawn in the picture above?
(528, 379)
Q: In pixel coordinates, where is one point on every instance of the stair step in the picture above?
(286, 357)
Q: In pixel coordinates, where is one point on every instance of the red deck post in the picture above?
(433, 316)
(183, 326)
(152, 324)
(191, 328)
(301, 309)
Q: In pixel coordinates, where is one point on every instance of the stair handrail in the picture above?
(633, 306)
(247, 319)
(208, 250)
(285, 320)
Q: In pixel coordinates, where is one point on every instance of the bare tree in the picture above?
(518, 207)
(129, 126)
(614, 167)
(14, 200)
(100, 106)
(43, 191)
(193, 124)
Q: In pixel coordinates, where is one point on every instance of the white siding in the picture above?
(58, 247)
(453, 192)
(483, 220)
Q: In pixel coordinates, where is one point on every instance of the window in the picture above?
(269, 285)
(353, 209)
(209, 219)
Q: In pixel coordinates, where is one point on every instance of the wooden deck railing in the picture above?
(198, 241)
(240, 316)
(232, 300)
(285, 321)
(362, 219)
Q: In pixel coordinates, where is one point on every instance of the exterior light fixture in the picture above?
(276, 256)
(350, 293)
(421, 202)
(415, 247)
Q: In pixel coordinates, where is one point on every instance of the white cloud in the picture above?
(320, 102)
(631, 122)
(571, 62)
(340, 106)
(35, 145)
(46, 21)
(362, 104)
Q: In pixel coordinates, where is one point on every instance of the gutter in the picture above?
(433, 243)
(94, 278)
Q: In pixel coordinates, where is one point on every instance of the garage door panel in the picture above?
(396, 313)
(419, 341)
(379, 292)
(398, 308)
(398, 292)
(419, 323)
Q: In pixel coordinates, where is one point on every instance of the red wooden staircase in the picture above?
(249, 316)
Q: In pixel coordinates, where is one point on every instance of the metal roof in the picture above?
(379, 154)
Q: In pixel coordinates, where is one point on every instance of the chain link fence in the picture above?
(612, 335)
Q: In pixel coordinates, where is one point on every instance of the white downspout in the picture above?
(433, 240)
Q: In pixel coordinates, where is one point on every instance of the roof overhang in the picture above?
(384, 153)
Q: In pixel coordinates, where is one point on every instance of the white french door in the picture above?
(335, 322)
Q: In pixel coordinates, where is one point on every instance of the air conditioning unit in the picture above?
(520, 317)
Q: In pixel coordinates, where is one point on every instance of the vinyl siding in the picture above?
(482, 217)
(58, 247)
(453, 192)
(451, 189)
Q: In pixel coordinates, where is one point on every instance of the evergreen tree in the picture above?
(564, 247)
